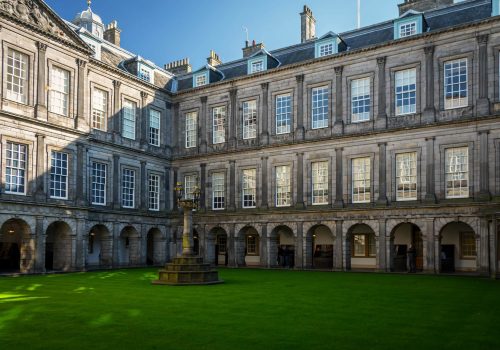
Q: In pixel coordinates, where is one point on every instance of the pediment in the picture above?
(37, 15)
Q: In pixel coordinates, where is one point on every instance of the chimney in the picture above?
(250, 50)
(307, 25)
(179, 67)
(112, 33)
(423, 5)
(214, 59)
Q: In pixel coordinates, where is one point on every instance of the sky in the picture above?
(168, 30)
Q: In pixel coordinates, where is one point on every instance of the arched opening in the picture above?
(153, 251)
(196, 243)
(129, 247)
(219, 241)
(361, 250)
(248, 247)
(407, 248)
(320, 248)
(15, 250)
(458, 248)
(282, 246)
(58, 247)
(99, 247)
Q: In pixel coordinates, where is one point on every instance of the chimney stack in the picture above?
(112, 33)
(214, 59)
(250, 50)
(307, 25)
(179, 67)
(423, 5)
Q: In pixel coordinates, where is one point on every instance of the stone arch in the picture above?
(319, 247)
(217, 246)
(248, 246)
(129, 252)
(16, 246)
(282, 246)
(99, 247)
(58, 246)
(458, 247)
(360, 247)
(154, 247)
(402, 236)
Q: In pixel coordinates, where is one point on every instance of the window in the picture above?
(256, 66)
(191, 129)
(15, 170)
(252, 245)
(128, 188)
(320, 107)
(467, 245)
(283, 190)
(59, 175)
(406, 176)
(360, 100)
(319, 182)
(218, 191)
(219, 124)
(283, 114)
(406, 91)
(457, 172)
(154, 192)
(455, 84)
(190, 183)
(129, 113)
(99, 183)
(154, 127)
(59, 91)
(145, 74)
(250, 119)
(17, 76)
(201, 80)
(99, 109)
(221, 244)
(407, 29)
(325, 49)
(363, 245)
(361, 186)
(249, 187)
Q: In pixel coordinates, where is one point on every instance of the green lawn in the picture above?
(254, 309)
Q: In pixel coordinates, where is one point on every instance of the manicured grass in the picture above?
(254, 309)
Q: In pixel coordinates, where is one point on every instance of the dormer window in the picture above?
(257, 64)
(495, 9)
(409, 24)
(326, 49)
(200, 79)
(407, 29)
(145, 74)
(328, 45)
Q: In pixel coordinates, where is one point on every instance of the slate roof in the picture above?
(464, 12)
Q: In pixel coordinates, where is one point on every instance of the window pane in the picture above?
(407, 29)
(190, 182)
(406, 176)
(361, 185)
(128, 188)
(218, 191)
(191, 129)
(455, 84)
(129, 113)
(58, 175)
(154, 192)
(99, 109)
(320, 107)
(98, 183)
(457, 172)
(360, 100)
(249, 182)
(59, 91)
(283, 114)
(283, 190)
(467, 245)
(319, 182)
(154, 127)
(219, 124)
(15, 170)
(406, 91)
(249, 119)
(17, 76)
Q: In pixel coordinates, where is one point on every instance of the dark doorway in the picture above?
(10, 257)
(49, 256)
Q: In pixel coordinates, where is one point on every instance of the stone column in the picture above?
(381, 120)
(81, 246)
(40, 193)
(382, 178)
(264, 136)
(483, 103)
(233, 118)
(483, 251)
(167, 190)
(116, 182)
(338, 125)
(338, 261)
(484, 178)
(381, 248)
(144, 134)
(265, 247)
(41, 102)
(175, 205)
(429, 115)
(437, 252)
(231, 253)
(264, 182)
(339, 200)
(175, 130)
(493, 247)
(40, 237)
(80, 121)
(232, 185)
(144, 187)
(203, 125)
(430, 254)
(299, 252)
(203, 185)
(81, 160)
(300, 131)
(300, 203)
(430, 171)
(116, 108)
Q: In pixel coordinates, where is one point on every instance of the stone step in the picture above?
(186, 267)
(190, 277)
(190, 260)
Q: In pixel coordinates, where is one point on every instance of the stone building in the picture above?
(335, 153)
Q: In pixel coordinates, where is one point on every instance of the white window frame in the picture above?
(154, 127)
(406, 176)
(219, 124)
(58, 182)
(191, 121)
(250, 119)
(145, 73)
(283, 178)
(361, 180)
(320, 100)
(17, 76)
(405, 88)
(98, 183)
(456, 93)
(16, 167)
(200, 80)
(319, 183)
(128, 188)
(283, 114)
(360, 100)
(218, 191)
(326, 49)
(407, 29)
(59, 91)
(190, 182)
(154, 192)
(129, 115)
(249, 188)
(99, 109)
(457, 172)
(257, 66)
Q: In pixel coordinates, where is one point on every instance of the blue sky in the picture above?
(168, 30)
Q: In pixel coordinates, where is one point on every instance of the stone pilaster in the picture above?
(338, 125)
(116, 181)
(484, 178)
(339, 198)
(203, 121)
(299, 246)
(144, 134)
(231, 252)
(483, 102)
(175, 130)
(381, 119)
(437, 252)
(265, 247)
(80, 120)
(300, 203)
(144, 187)
(41, 102)
(167, 190)
(116, 108)
(174, 184)
(429, 115)
(232, 185)
(39, 253)
(40, 193)
(81, 155)
(430, 171)
(300, 131)
(264, 136)
(233, 118)
(493, 247)
(264, 182)
(338, 261)
(382, 174)
(381, 247)
(483, 251)
(203, 185)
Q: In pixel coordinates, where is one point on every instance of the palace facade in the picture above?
(337, 153)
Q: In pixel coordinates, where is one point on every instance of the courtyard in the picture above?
(254, 309)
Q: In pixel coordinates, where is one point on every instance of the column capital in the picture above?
(232, 161)
(264, 158)
(481, 132)
(41, 46)
(429, 49)
(117, 84)
(144, 95)
(482, 39)
(299, 78)
(38, 136)
(203, 165)
(339, 149)
(203, 99)
(338, 70)
(381, 60)
(81, 63)
(432, 138)
(143, 163)
(264, 86)
(382, 144)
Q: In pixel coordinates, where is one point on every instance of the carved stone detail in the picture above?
(80, 62)
(144, 95)
(41, 46)
(117, 84)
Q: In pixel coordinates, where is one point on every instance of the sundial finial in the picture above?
(89, 2)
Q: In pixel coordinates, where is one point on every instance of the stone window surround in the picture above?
(293, 188)
(161, 176)
(331, 189)
(239, 122)
(109, 110)
(71, 185)
(138, 108)
(470, 77)
(30, 165)
(418, 99)
(161, 112)
(349, 80)
(210, 122)
(31, 72)
(293, 112)
(239, 180)
(308, 110)
(392, 185)
(209, 186)
(441, 162)
(109, 180)
(137, 182)
(71, 85)
(349, 159)
(182, 125)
